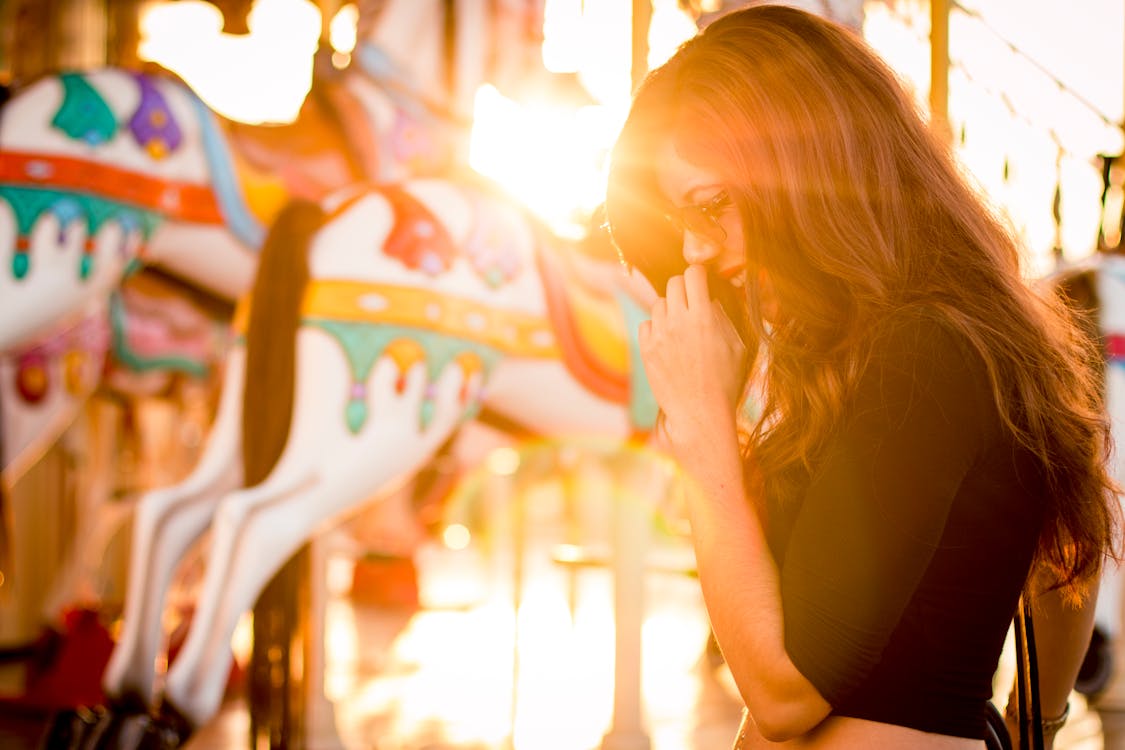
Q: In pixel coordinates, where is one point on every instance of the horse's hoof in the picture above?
(116, 726)
(118, 732)
(168, 730)
(69, 728)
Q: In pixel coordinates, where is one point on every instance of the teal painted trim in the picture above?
(121, 351)
(29, 203)
(642, 404)
(84, 115)
(21, 264)
(224, 180)
(364, 343)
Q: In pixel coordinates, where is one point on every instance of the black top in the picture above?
(902, 562)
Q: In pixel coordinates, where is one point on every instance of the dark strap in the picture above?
(1027, 681)
(996, 731)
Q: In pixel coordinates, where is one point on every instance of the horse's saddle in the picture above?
(325, 148)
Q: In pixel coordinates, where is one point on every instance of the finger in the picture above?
(659, 312)
(696, 293)
(644, 330)
(675, 296)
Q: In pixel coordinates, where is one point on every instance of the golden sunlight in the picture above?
(342, 34)
(551, 158)
(258, 77)
(1029, 113)
(554, 159)
(456, 536)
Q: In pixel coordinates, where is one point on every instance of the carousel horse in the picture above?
(380, 321)
(105, 169)
(150, 170)
(381, 318)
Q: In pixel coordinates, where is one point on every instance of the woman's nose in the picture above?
(698, 250)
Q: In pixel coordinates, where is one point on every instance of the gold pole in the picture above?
(939, 69)
(642, 19)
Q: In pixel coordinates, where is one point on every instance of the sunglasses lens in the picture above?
(701, 222)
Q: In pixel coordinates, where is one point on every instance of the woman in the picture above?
(931, 431)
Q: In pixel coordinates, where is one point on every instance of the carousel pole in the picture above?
(939, 70)
(630, 528)
(633, 482)
(285, 615)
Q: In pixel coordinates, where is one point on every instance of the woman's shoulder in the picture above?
(922, 332)
(925, 351)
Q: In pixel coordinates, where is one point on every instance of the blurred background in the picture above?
(480, 603)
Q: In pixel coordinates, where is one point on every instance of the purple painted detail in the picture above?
(359, 391)
(153, 125)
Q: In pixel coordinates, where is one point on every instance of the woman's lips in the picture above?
(735, 275)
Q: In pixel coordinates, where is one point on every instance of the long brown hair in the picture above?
(855, 210)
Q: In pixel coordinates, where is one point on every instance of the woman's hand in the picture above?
(695, 363)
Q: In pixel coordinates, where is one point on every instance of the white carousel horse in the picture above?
(425, 302)
(102, 165)
(105, 169)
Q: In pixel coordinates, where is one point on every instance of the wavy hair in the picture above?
(856, 211)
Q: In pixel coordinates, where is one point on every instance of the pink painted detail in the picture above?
(159, 323)
(1115, 347)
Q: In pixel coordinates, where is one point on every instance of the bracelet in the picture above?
(1048, 725)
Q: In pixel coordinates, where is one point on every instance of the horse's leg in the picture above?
(321, 476)
(167, 521)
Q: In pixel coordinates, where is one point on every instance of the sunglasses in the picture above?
(702, 219)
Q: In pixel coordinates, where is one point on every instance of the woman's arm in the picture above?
(1062, 635)
(741, 590)
(696, 367)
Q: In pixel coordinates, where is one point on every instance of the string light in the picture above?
(1061, 126)
(958, 66)
(1015, 49)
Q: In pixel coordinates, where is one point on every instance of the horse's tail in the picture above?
(271, 333)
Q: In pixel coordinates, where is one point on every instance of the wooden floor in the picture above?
(513, 648)
(504, 657)
(464, 673)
